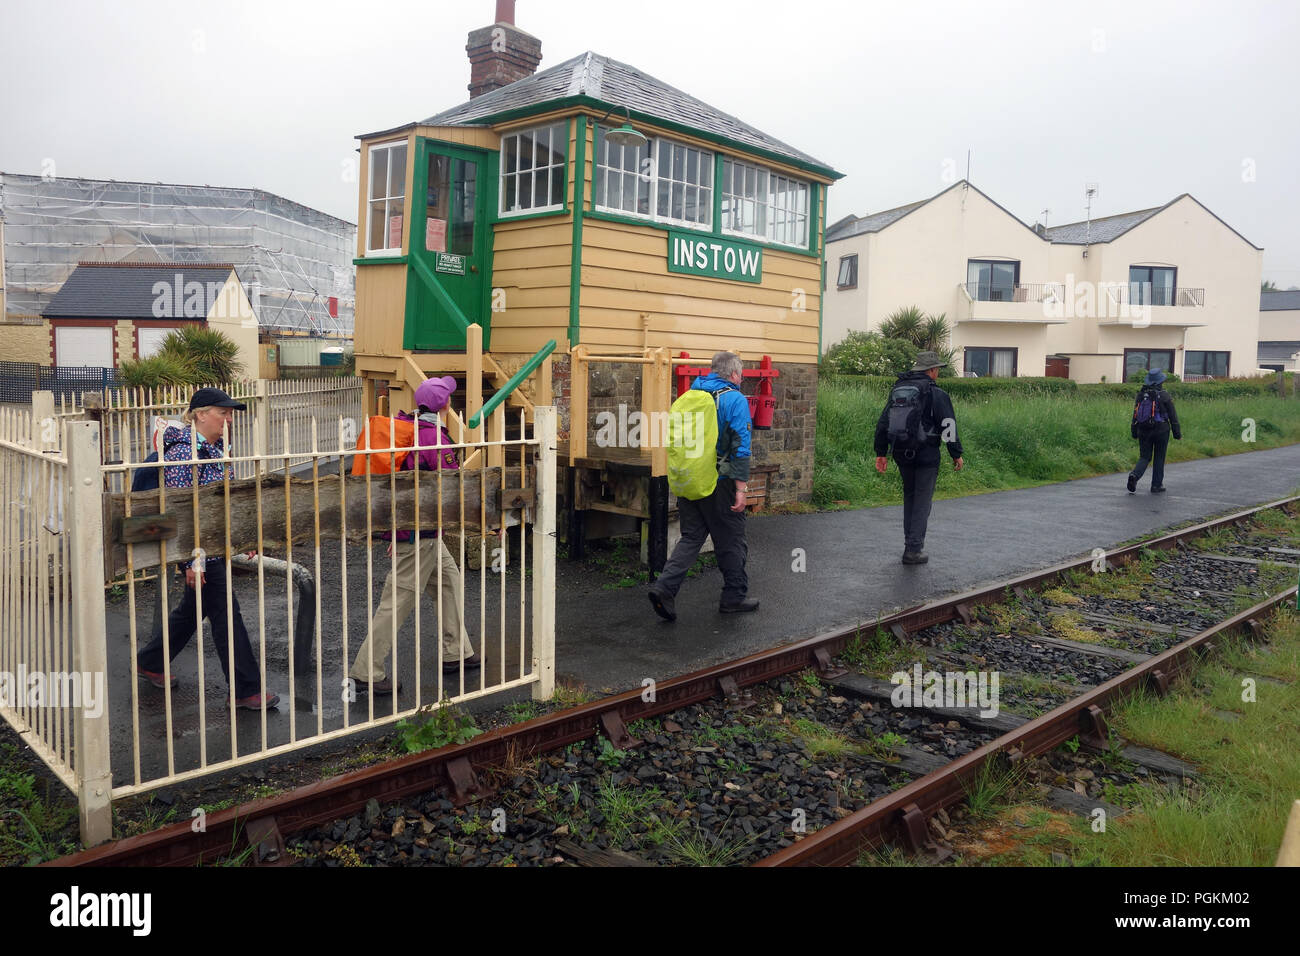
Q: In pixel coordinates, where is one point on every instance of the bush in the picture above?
(210, 355)
(155, 371)
(975, 387)
(869, 353)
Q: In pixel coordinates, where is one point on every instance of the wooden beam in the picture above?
(481, 492)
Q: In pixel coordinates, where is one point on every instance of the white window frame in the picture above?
(385, 149)
(562, 129)
(605, 171)
(708, 160)
(770, 185)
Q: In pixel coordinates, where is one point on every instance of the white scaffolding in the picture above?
(292, 259)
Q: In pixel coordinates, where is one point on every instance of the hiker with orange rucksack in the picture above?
(1153, 420)
(404, 585)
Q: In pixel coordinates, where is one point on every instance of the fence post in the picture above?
(262, 415)
(84, 526)
(43, 433)
(544, 432)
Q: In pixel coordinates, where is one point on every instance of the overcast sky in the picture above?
(1148, 99)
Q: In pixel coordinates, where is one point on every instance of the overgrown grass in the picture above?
(1017, 441)
(1250, 768)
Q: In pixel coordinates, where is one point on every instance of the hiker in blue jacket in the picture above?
(720, 516)
(1153, 419)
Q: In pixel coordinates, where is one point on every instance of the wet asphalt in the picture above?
(812, 573)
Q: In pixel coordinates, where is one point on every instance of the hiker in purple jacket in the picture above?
(403, 587)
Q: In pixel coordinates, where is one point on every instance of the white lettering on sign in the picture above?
(701, 254)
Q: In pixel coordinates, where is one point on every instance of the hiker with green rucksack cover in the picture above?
(708, 471)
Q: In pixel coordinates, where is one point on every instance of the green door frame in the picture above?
(421, 272)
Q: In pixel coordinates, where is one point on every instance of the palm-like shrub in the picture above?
(210, 355)
(906, 323)
(927, 333)
(153, 372)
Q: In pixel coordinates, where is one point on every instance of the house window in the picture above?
(683, 184)
(762, 203)
(387, 195)
(624, 176)
(848, 272)
(995, 363)
(532, 169)
(1206, 363)
(989, 280)
(1147, 360)
(1148, 285)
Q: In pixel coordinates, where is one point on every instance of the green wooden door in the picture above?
(447, 288)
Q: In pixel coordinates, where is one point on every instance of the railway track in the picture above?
(800, 755)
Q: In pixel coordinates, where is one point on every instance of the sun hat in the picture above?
(928, 360)
(1154, 377)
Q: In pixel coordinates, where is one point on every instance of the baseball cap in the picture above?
(206, 397)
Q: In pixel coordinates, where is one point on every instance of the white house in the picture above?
(1279, 330)
(1172, 287)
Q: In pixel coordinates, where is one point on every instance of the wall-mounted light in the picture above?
(624, 135)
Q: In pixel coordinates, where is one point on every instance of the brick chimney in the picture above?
(502, 53)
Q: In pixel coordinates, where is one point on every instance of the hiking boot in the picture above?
(383, 686)
(453, 667)
(663, 604)
(1132, 484)
(744, 604)
(158, 680)
(254, 702)
(1158, 490)
(915, 557)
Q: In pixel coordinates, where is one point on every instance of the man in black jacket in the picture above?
(918, 457)
(1152, 435)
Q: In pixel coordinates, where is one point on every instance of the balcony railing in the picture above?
(1120, 293)
(1021, 292)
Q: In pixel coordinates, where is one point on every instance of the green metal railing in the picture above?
(515, 380)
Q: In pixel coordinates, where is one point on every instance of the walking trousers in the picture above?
(918, 496)
(710, 517)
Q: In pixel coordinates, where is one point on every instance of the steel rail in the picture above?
(840, 843)
(327, 800)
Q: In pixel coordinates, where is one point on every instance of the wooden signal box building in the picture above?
(636, 227)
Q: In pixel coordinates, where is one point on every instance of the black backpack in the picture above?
(907, 411)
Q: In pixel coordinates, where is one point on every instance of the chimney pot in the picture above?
(506, 11)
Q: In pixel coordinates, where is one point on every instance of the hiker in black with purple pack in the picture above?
(1153, 419)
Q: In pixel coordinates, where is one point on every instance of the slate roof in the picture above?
(1277, 351)
(851, 226)
(1102, 230)
(872, 223)
(1279, 301)
(126, 290)
(612, 83)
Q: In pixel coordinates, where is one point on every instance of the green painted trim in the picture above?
(421, 269)
(714, 233)
(591, 102)
(579, 210)
(717, 192)
(821, 303)
(814, 218)
(380, 261)
(529, 215)
(504, 391)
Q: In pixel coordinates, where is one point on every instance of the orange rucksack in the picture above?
(383, 432)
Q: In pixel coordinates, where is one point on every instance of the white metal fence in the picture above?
(297, 572)
(279, 418)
